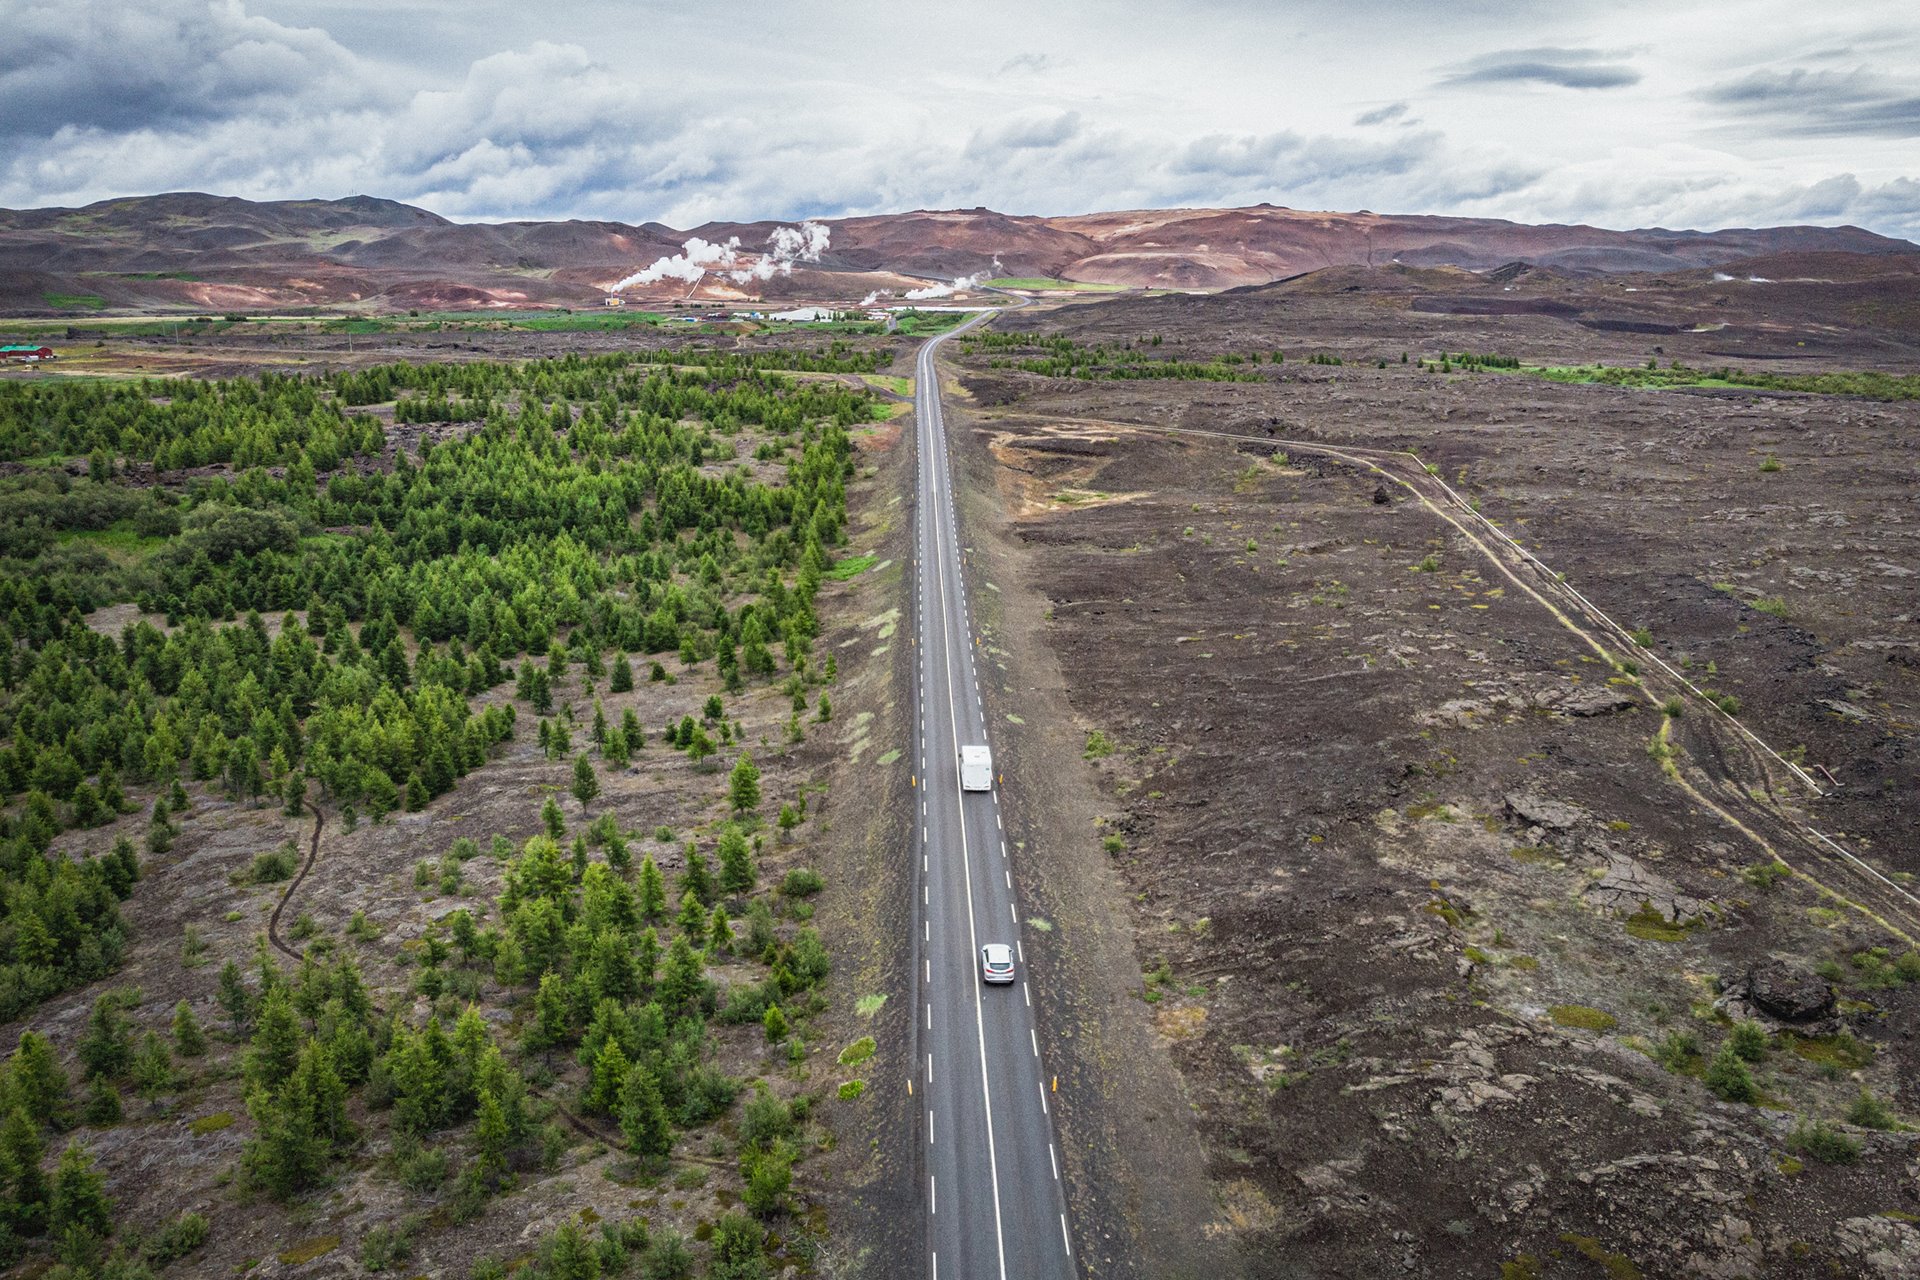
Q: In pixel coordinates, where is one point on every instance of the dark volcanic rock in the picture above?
(1789, 993)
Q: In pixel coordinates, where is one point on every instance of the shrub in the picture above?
(667, 1258)
(1765, 875)
(1869, 1112)
(1099, 745)
(176, 1239)
(857, 1052)
(383, 1245)
(768, 1174)
(802, 882)
(420, 1168)
(1749, 1040)
(1823, 1142)
(1678, 1051)
(1727, 1076)
(273, 866)
(765, 1119)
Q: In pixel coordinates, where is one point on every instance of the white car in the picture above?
(996, 962)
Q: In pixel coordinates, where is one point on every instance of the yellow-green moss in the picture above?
(210, 1124)
(1585, 1017)
(308, 1250)
(1617, 1265)
(1844, 1051)
(1650, 926)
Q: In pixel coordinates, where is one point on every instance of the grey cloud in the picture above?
(109, 66)
(1565, 68)
(1822, 103)
(1026, 63)
(1382, 115)
(1241, 156)
(1028, 132)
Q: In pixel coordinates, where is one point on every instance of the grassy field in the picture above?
(1864, 383)
(118, 541)
(1044, 282)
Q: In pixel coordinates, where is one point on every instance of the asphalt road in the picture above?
(996, 1206)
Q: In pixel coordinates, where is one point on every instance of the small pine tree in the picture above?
(234, 998)
(826, 708)
(21, 1153)
(554, 821)
(743, 784)
(188, 1040)
(77, 1199)
(39, 1082)
(719, 931)
(653, 890)
(737, 873)
(1728, 1077)
(775, 1023)
(548, 1027)
(699, 745)
(789, 819)
(643, 1116)
(586, 783)
(608, 1074)
(492, 1141)
(106, 1047)
(102, 1103)
(692, 919)
(697, 879)
(275, 1050)
(152, 1067)
(622, 680)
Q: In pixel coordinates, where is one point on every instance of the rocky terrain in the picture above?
(1509, 783)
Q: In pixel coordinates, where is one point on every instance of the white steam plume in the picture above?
(786, 246)
(942, 290)
(689, 264)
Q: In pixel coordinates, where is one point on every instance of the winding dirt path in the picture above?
(293, 886)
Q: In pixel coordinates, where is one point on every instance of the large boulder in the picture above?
(1628, 888)
(1543, 811)
(1788, 992)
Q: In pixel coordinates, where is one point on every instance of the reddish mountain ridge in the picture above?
(187, 250)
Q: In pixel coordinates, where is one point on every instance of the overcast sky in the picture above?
(1627, 113)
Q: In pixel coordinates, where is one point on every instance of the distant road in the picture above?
(997, 1208)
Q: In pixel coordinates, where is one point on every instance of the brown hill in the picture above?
(188, 250)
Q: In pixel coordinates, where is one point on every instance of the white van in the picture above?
(976, 769)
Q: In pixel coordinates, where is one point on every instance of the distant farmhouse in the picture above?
(613, 300)
(31, 355)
